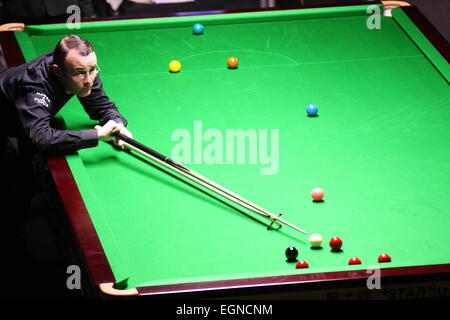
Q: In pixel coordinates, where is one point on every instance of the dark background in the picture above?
(42, 11)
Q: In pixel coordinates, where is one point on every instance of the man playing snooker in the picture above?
(34, 92)
(30, 95)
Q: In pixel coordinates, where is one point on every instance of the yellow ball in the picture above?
(174, 66)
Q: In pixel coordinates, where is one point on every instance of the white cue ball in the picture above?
(315, 240)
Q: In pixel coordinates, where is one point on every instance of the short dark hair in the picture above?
(67, 43)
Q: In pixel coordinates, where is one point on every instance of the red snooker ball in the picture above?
(384, 257)
(335, 244)
(301, 264)
(354, 260)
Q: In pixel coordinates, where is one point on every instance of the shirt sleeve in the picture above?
(32, 108)
(98, 106)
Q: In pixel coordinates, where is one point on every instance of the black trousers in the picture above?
(17, 177)
(18, 185)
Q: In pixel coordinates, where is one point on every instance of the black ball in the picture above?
(291, 254)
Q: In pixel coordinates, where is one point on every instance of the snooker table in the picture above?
(379, 148)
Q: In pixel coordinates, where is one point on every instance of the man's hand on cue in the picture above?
(107, 131)
(119, 143)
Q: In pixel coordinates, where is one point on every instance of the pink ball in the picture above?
(317, 194)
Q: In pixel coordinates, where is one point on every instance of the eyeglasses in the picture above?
(81, 74)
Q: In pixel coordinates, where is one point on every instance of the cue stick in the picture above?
(188, 173)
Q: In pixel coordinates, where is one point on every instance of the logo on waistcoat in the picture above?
(42, 99)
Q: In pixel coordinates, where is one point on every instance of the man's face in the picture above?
(78, 73)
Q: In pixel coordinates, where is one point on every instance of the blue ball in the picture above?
(311, 110)
(197, 28)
